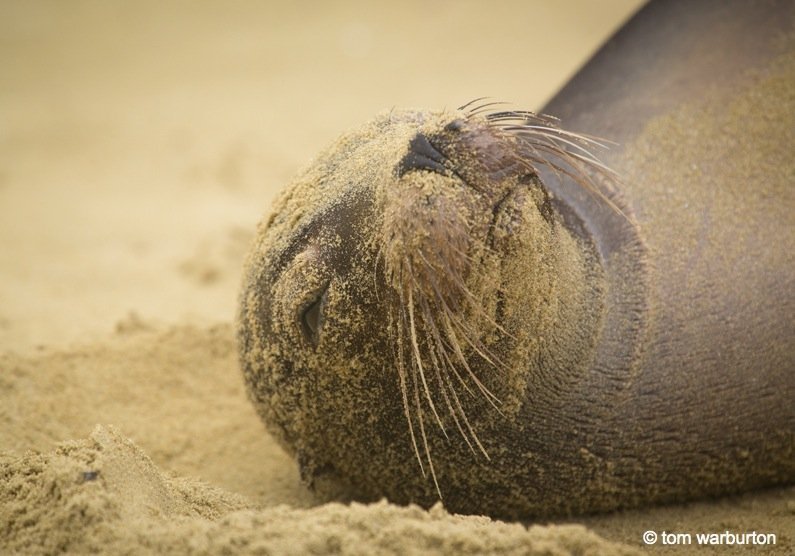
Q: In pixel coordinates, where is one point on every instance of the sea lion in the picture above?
(471, 305)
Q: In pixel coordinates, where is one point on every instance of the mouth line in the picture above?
(499, 208)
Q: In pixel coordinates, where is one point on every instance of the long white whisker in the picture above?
(425, 438)
(418, 360)
(404, 388)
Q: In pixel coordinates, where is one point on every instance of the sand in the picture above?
(139, 146)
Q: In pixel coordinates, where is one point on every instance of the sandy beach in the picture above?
(140, 144)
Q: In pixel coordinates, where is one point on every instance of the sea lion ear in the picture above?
(422, 155)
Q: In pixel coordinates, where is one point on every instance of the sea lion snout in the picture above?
(478, 154)
(440, 221)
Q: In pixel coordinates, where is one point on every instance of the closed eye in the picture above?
(312, 318)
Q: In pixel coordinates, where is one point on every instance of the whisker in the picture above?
(468, 334)
(425, 438)
(457, 348)
(462, 287)
(577, 173)
(429, 324)
(468, 424)
(481, 108)
(470, 103)
(518, 125)
(554, 135)
(443, 381)
(452, 367)
(541, 134)
(446, 385)
(438, 357)
(418, 361)
(404, 392)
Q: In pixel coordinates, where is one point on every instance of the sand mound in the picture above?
(177, 397)
(178, 393)
(104, 495)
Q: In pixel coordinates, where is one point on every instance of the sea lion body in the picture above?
(444, 304)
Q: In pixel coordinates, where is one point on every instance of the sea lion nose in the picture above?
(422, 155)
(455, 126)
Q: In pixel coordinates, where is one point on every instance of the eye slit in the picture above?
(312, 318)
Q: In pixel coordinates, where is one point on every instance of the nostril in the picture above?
(455, 126)
(422, 155)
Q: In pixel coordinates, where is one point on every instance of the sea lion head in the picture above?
(398, 299)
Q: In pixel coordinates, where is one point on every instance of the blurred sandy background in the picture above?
(140, 143)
